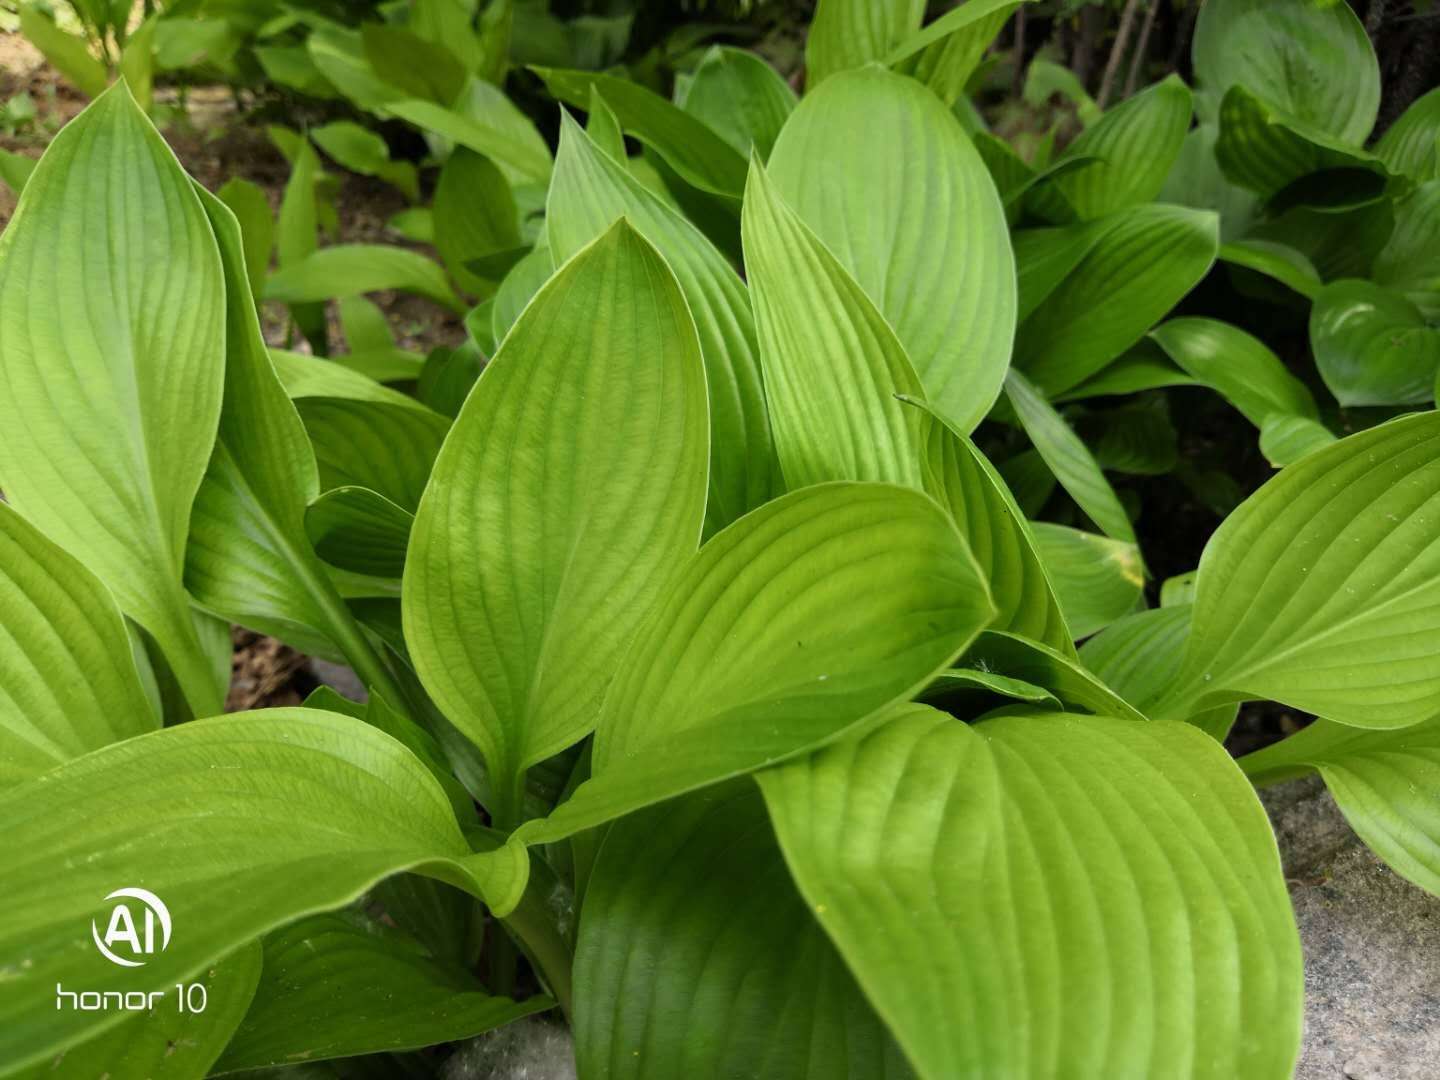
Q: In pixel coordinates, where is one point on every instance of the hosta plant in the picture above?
(723, 701)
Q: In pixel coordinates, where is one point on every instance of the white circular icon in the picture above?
(136, 935)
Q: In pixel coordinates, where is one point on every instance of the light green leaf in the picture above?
(1383, 782)
(692, 924)
(297, 230)
(137, 62)
(111, 339)
(1069, 458)
(1139, 265)
(1178, 589)
(1322, 590)
(1015, 656)
(396, 997)
(339, 54)
(167, 1043)
(600, 381)
(475, 216)
(520, 285)
(847, 34)
(251, 208)
(1312, 63)
(314, 377)
(295, 810)
(293, 66)
(911, 212)
(589, 192)
(1410, 261)
(1373, 346)
(737, 666)
(1092, 896)
(349, 269)
(1411, 145)
(1286, 439)
(359, 530)
(488, 122)
(1096, 579)
(381, 445)
(68, 53)
(362, 151)
(833, 366)
(946, 53)
(15, 170)
(1144, 367)
(1279, 261)
(686, 144)
(1045, 79)
(1237, 366)
(68, 680)
(740, 97)
(1137, 142)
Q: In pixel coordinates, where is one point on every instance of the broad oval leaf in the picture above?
(691, 923)
(1266, 151)
(112, 340)
(68, 678)
(1018, 657)
(396, 997)
(475, 216)
(1373, 346)
(350, 269)
(1238, 366)
(266, 816)
(360, 530)
(847, 34)
(946, 53)
(1322, 590)
(1050, 894)
(1312, 61)
(1411, 145)
(1137, 142)
(588, 193)
(1096, 579)
(1410, 261)
(909, 210)
(1135, 267)
(521, 593)
(741, 97)
(739, 665)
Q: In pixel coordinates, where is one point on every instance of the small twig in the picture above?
(1132, 80)
(1112, 66)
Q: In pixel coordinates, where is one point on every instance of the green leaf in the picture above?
(740, 97)
(111, 330)
(405, 60)
(1140, 264)
(1096, 579)
(488, 122)
(1237, 366)
(395, 997)
(961, 480)
(294, 810)
(739, 665)
(1265, 150)
(357, 529)
(251, 208)
(687, 145)
(1382, 782)
(68, 680)
(1018, 657)
(313, 377)
(1410, 261)
(1321, 590)
(588, 193)
(382, 445)
(1084, 891)
(692, 924)
(847, 34)
(137, 62)
(1311, 63)
(350, 269)
(1286, 265)
(1069, 458)
(1373, 346)
(1411, 145)
(15, 170)
(339, 54)
(1137, 142)
(1286, 439)
(297, 230)
(66, 52)
(607, 358)
(475, 215)
(911, 212)
(833, 366)
(167, 1043)
(520, 285)
(362, 151)
(293, 66)
(946, 53)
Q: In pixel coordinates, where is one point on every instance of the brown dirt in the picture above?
(265, 674)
